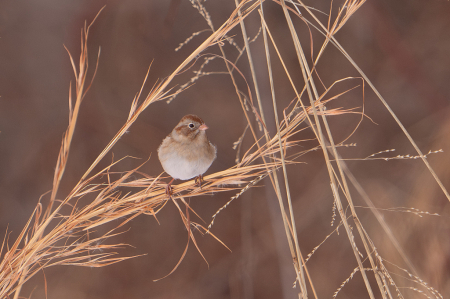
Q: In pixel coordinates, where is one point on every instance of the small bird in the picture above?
(186, 152)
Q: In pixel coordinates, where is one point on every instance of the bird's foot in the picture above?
(198, 181)
(169, 190)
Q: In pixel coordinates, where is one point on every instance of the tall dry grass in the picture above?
(58, 232)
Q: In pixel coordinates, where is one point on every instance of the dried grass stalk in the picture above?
(52, 237)
(59, 234)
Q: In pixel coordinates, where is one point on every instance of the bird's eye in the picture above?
(191, 125)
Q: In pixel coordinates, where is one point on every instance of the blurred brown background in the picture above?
(404, 48)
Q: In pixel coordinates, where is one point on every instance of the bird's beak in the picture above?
(203, 127)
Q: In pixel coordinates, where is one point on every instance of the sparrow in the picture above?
(186, 152)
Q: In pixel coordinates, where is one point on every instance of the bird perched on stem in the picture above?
(186, 152)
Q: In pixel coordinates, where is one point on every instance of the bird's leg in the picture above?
(199, 180)
(169, 188)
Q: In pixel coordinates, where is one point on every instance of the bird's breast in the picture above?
(186, 160)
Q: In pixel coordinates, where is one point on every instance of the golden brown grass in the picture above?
(58, 233)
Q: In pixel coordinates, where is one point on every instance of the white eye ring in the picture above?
(191, 125)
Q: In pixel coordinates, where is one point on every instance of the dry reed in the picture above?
(58, 233)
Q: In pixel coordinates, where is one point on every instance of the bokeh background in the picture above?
(403, 46)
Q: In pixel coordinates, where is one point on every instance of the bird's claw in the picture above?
(198, 181)
(169, 190)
